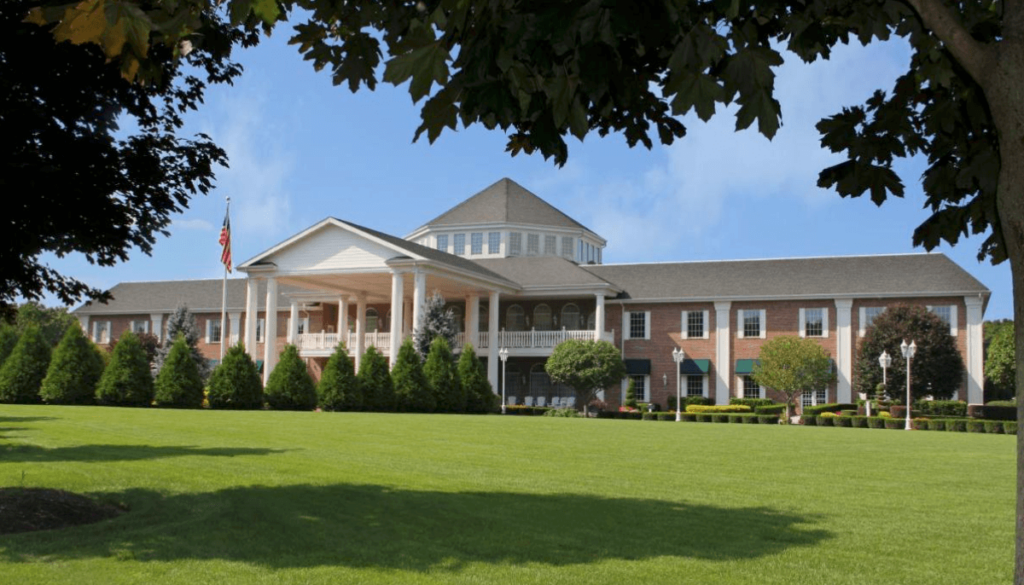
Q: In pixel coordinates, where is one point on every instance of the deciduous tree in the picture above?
(1000, 366)
(585, 366)
(792, 365)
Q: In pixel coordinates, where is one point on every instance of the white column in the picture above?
(360, 329)
(975, 358)
(343, 321)
(270, 335)
(473, 320)
(158, 325)
(293, 323)
(397, 303)
(419, 298)
(599, 317)
(236, 319)
(844, 350)
(252, 288)
(407, 319)
(723, 339)
(492, 342)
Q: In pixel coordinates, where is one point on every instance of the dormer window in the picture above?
(442, 243)
(532, 245)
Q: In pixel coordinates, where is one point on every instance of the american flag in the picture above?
(225, 241)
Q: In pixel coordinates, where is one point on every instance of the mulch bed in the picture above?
(30, 509)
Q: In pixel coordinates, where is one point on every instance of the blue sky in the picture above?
(302, 150)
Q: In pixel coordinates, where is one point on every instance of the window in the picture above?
(515, 244)
(751, 323)
(750, 388)
(101, 331)
(303, 325)
(695, 385)
(948, 315)
(140, 327)
(515, 318)
(442, 243)
(640, 387)
(213, 331)
(571, 316)
(579, 251)
(261, 326)
(867, 318)
(542, 318)
(638, 324)
(460, 244)
(695, 325)
(814, 322)
(476, 242)
(813, 398)
(567, 247)
(550, 246)
(599, 255)
(460, 323)
(494, 242)
(532, 245)
(372, 320)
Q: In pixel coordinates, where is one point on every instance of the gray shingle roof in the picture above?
(542, 271)
(164, 297)
(504, 202)
(905, 274)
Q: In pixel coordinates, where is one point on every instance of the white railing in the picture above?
(325, 341)
(511, 339)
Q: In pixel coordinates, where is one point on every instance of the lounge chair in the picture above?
(570, 402)
(541, 400)
(528, 401)
(510, 400)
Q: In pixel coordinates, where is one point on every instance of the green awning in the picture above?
(259, 366)
(745, 367)
(638, 367)
(694, 367)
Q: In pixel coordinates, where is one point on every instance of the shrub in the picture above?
(688, 400)
(411, 387)
(936, 424)
(772, 409)
(564, 413)
(182, 322)
(750, 419)
(919, 424)
(8, 339)
(808, 420)
(884, 414)
(951, 408)
(443, 378)
(847, 412)
(74, 371)
(738, 418)
(767, 419)
(338, 388)
(1002, 403)
(901, 412)
(956, 425)
(375, 381)
(719, 418)
(701, 416)
(671, 416)
(289, 386)
(24, 370)
(178, 384)
(630, 394)
(753, 403)
(1010, 427)
(649, 416)
(236, 384)
(895, 423)
(994, 427)
(975, 426)
(735, 408)
(876, 422)
(127, 380)
(843, 421)
(825, 421)
(859, 422)
(992, 412)
(480, 397)
(832, 407)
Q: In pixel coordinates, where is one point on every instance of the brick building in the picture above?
(522, 275)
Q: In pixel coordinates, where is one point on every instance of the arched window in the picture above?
(515, 318)
(571, 316)
(460, 324)
(372, 320)
(542, 318)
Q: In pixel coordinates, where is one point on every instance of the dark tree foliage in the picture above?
(412, 389)
(236, 384)
(338, 388)
(51, 321)
(182, 322)
(630, 401)
(23, 371)
(74, 371)
(126, 381)
(8, 339)
(90, 187)
(936, 369)
(585, 366)
(178, 384)
(375, 382)
(438, 321)
(443, 377)
(290, 387)
(480, 397)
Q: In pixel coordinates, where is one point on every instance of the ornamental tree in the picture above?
(937, 368)
(412, 389)
(793, 365)
(1000, 365)
(74, 371)
(338, 388)
(8, 339)
(443, 377)
(178, 385)
(585, 366)
(480, 397)
(289, 386)
(51, 321)
(182, 323)
(235, 383)
(126, 381)
(437, 321)
(23, 371)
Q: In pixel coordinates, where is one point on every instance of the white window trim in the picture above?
(627, 329)
(95, 331)
(704, 385)
(952, 316)
(209, 328)
(684, 325)
(824, 323)
(647, 387)
(740, 325)
(261, 330)
(144, 322)
(741, 388)
(862, 318)
(304, 321)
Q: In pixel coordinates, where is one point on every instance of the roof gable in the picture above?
(505, 202)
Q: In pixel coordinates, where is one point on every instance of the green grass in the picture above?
(285, 497)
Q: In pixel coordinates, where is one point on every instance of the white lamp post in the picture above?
(908, 354)
(678, 356)
(885, 360)
(503, 354)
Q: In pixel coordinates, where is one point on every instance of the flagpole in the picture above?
(224, 299)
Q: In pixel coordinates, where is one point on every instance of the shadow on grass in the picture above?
(370, 526)
(26, 419)
(36, 454)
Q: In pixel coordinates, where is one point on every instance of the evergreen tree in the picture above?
(443, 378)
(126, 381)
(375, 381)
(235, 383)
(74, 371)
(22, 373)
(178, 384)
(412, 390)
(480, 397)
(630, 394)
(289, 386)
(52, 322)
(338, 388)
(182, 322)
(437, 322)
(8, 339)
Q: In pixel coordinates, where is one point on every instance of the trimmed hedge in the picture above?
(956, 425)
(843, 421)
(689, 400)
(1010, 427)
(992, 411)
(719, 417)
(520, 410)
(767, 419)
(936, 424)
(901, 412)
(734, 408)
(975, 426)
(833, 407)
(876, 422)
(994, 427)
(753, 403)
(859, 422)
(771, 409)
(895, 423)
(825, 421)
(919, 424)
(945, 408)
(809, 420)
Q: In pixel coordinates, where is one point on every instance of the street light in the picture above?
(503, 354)
(678, 356)
(885, 360)
(908, 354)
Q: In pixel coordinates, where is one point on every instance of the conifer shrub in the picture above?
(290, 387)
(480, 397)
(375, 382)
(126, 381)
(338, 388)
(443, 378)
(182, 322)
(412, 390)
(178, 384)
(74, 371)
(235, 384)
(630, 394)
(8, 339)
(22, 373)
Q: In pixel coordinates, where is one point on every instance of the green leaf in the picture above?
(578, 124)
(267, 10)
(424, 66)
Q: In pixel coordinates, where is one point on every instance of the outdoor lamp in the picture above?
(503, 354)
(678, 356)
(885, 360)
(908, 353)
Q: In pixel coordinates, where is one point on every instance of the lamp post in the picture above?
(885, 360)
(908, 354)
(503, 354)
(678, 356)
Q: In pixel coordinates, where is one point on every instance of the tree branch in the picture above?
(973, 56)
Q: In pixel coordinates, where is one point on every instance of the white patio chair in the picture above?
(541, 400)
(511, 400)
(528, 401)
(570, 402)
(558, 402)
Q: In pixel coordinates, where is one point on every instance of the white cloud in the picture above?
(200, 225)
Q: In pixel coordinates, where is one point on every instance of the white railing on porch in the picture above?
(325, 341)
(511, 339)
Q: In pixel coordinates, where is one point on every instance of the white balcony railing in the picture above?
(514, 340)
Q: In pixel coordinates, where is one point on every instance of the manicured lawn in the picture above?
(275, 497)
